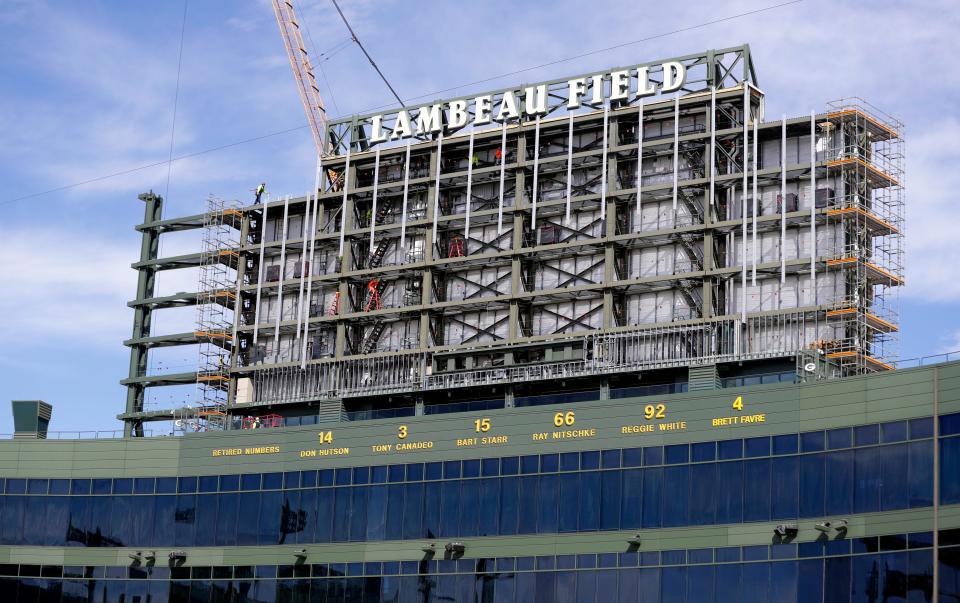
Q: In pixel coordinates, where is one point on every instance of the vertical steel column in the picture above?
(406, 189)
(343, 205)
(436, 186)
(743, 195)
(713, 137)
(755, 202)
(636, 225)
(376, 186)
(813, 197)
(676, 153)
(466, 224)
(283, 270)
(783, 198)
(743, 250)
(305, 227)
(566, 217)
(603, 164)
(142, 314)
(536, 170)
(313, 248)
(503, 165)
(263, 242)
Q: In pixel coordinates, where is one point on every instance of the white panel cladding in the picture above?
(324, 262)
(393, 295)
(830, 288)
(479, 282)
(659, 215)
(570, 272)
(658, 169)
(657, 307)
(566, 317)
(830, 240)
(475, 327)
(398, 335)
(791, 248)
(661, 260)
(584, 224)
(321, 299)
(484, 239)
(796, 291)
(770, 153)
(796, 245)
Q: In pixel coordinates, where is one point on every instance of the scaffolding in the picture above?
(216, 308)
(865, 151)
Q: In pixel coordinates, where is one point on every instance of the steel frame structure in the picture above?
(427, 264)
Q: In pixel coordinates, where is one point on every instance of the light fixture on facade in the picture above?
(786, 529)
(839, 525)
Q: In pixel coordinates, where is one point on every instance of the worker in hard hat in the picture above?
(259, 192)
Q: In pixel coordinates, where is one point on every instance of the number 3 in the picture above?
(402, 432)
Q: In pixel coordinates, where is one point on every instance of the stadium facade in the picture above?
(615, 337)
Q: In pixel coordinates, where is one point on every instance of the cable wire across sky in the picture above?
(429, 94)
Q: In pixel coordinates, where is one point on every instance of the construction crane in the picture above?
(302, 72)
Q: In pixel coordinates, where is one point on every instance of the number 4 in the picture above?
(738, 403)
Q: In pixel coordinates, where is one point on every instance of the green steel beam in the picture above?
(162, 380)
(178, 300)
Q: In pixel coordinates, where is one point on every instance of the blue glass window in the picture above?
(866, 435)
(839, 438)
(569, 461)
(785, 444)
(730, 449)
(754, 447)
(653, 455)
(703, 451)
(895, 431)
(677, 453)
(811, 441)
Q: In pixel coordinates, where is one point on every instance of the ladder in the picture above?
(375, 289)
(456, 248)
(370, 341)
(376, 258)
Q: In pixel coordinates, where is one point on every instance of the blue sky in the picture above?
(88, 89)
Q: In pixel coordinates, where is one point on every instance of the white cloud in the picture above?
(64, 287)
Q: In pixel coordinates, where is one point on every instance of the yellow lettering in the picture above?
(574, 434)
(494, 440)
(674, 426)
(333, 451)
(407, 446)
(627, 429)
(467, 442)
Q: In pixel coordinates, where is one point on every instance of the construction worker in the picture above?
(259, 192)
(498, 155)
